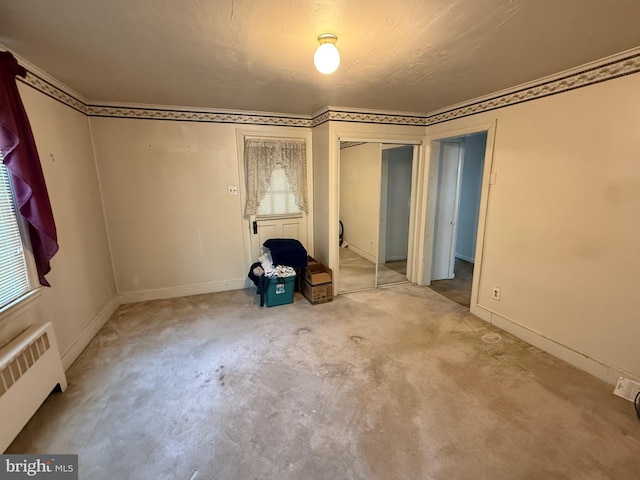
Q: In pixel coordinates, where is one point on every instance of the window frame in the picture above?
(17, 304)
(286, 134)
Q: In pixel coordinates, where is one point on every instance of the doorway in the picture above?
(460, 168)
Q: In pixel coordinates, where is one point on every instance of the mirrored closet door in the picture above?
(375, 193)
(395, 209)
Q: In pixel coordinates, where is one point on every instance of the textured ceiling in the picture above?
(406, 55)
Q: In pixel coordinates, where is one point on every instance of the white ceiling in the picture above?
(404, 55)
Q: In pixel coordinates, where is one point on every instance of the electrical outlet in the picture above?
(233, 189)
(496, 293)
(626, 388)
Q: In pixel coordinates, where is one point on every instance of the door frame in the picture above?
(428, 198)
(418, 144)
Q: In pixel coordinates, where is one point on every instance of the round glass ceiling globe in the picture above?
(327, 58)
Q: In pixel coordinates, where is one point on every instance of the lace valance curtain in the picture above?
(262, 156)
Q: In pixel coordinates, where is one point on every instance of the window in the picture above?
(14, 275)
(279, 199)
(276, 175)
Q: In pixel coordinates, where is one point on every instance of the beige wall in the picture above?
(562, 223)
(173, 228)
(324, 194)
(83, 295)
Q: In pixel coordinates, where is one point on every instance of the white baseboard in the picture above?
(362, 253)
(597, 368)
(466, 259)
(88, 332)
(182, 291)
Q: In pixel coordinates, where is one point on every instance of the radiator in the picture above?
(30, 368)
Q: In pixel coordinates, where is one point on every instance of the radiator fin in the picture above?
(11, 373)
(30, 368)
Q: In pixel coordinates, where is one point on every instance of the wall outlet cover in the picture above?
(626, 388)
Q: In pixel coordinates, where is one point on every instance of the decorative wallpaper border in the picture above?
(385, 118)
(53, 91)
(623, 64)
(197, 116)
(601, 73)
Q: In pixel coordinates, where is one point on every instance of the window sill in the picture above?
(19, 305)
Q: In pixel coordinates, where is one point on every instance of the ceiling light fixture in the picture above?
(327, 56)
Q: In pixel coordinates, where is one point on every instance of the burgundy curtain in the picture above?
(21, 158)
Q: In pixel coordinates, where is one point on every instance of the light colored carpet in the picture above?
(393, 383)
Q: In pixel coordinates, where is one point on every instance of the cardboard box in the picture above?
(317, 274)
(300, 273)
(316, 294)
(278, 291)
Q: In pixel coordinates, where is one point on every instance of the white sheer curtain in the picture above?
(261, 156)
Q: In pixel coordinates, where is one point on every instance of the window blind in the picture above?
(14, 278)
(279, 198)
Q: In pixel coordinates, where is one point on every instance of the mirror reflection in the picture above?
(395, 208)
(375, 204)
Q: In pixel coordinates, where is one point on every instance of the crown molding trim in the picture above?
(197, 115)
(619, 65)
(50, 86)
(54, 91)
(331, 114)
